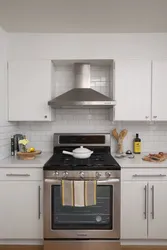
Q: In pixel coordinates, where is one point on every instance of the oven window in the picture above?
(99, 216)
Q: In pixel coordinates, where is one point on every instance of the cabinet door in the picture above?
(29, 90)
(134, 210)
(132, 90)
(21, 210)
(159, 90)
(157, 210)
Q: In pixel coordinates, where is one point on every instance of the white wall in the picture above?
(89, 46)
(3, 72)
(6, 129)
(93, 46)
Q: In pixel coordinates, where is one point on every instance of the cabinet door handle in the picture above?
(24, 175)
(152, 189)
(146, 117)
(145, 202)
(39, 202)
(155, 116)
(149, 175)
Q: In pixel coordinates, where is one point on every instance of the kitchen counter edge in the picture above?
(15, 162)
(137, 162)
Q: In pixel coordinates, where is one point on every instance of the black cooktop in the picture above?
(101, 159)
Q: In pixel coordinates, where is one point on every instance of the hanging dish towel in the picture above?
(78, 193)
(90, 193)
(67, 189)
(79, 200)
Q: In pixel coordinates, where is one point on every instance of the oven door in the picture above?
(101, 221)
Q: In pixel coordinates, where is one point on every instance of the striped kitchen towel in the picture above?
(79, 193)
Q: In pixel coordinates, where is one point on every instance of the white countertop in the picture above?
(40, 160)
(137, 162)
(14, 162)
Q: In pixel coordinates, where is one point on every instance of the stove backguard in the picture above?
(87, 140)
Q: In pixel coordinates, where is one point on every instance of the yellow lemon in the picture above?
(29, 150)
(32, 149)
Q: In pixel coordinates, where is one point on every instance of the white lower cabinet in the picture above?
(144, 207)
(21, 209)
(133, 221)
(157, 217)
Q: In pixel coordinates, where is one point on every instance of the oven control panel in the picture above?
(82, 174)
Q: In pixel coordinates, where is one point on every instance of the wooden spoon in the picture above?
(115, 134)
(123, 133)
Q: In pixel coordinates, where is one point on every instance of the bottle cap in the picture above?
(137, 135)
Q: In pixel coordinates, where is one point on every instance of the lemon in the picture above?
(32, 149)
(29, 150)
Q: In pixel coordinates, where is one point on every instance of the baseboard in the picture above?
(20, 247)
(26, 242)
(144, 243)
(143, 247)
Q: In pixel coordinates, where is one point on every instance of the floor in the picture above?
(144, 248)
(122, 248)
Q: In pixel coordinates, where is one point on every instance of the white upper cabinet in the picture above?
(29, 90)
(133, 90)
(159, 90)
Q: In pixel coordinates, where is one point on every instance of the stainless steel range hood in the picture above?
(82, 96)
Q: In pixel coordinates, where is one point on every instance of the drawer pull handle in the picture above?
(145, 202)
(23, 175)
(149, 175)
(39, 202)
(152, 189)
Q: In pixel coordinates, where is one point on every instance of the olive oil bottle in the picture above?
(137, 145)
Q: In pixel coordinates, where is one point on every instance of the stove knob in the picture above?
(65, 174)
(98, 175)
(81, 174)
(107, 174)
(56, 173)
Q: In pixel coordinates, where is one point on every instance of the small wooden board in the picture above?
(154, 159)
(28, 155)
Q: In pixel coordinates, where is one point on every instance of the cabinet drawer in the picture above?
(27, 174)
(143, 174)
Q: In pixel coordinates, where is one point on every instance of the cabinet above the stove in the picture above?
(29, 89)
(31, 84)
(140, 90)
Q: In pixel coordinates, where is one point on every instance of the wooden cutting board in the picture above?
(154, 159)
(28, 155)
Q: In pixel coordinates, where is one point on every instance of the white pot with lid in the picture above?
(80, 153)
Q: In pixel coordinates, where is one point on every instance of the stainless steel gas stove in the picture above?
(100, 222)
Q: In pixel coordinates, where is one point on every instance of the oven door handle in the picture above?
(108, 181)
(99, 182)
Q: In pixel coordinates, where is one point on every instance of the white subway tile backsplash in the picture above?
(6, 131)
(43, 139)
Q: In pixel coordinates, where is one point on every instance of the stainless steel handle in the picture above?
(145, 202)
(39, 202)
(152, 189)
(57, 181)
(149, 175)
(108, 181)
(146, 117)
(25, 175)
(155, 116)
